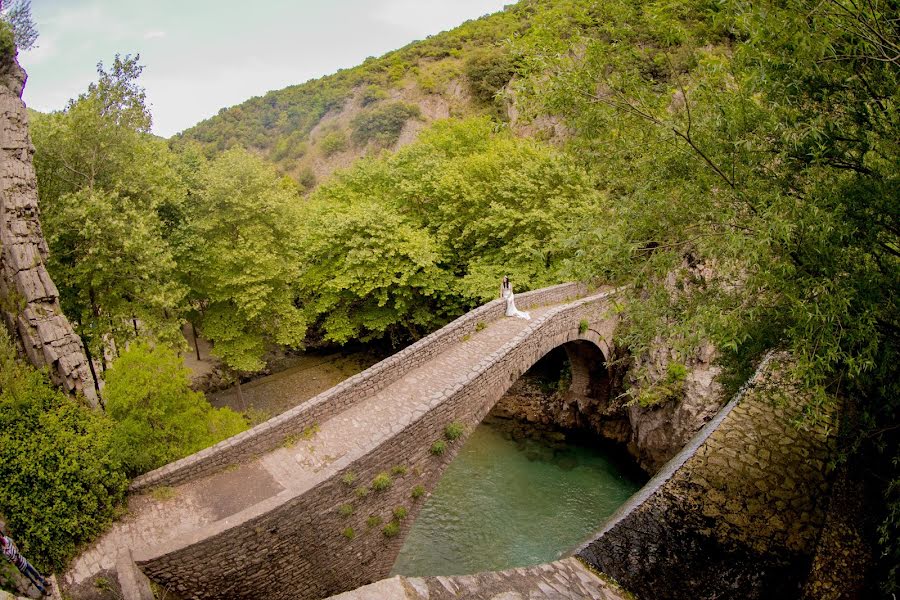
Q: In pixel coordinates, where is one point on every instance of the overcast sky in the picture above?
(202, 55)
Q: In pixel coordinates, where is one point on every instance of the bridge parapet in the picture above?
(270, 434)
(304, 539)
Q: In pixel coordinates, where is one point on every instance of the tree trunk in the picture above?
(196, 344)
(90, 362)
(240, 393)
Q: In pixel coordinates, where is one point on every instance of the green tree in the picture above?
(158, 417)
(106, 186)
(369, 271)
(760, 176)
(17, 14)
(397, 245)
(60, 483)
(240, 246)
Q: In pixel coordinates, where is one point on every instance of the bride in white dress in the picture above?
(507, 293)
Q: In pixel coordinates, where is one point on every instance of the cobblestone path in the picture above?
(159, 517)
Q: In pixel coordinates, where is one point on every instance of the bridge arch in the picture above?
(332, 534)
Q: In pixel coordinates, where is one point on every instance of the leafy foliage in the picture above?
(333, 142)
(17, 16)
(488, 72)
(751, 151)
(60, 483)
(159, 418)
(397, 245)
(239, 251)
(106, 187)
(383, 123)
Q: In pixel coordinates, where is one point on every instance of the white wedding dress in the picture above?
(511, 310)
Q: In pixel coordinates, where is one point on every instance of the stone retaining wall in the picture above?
(737, 513)
(297, 545)
(269, 435)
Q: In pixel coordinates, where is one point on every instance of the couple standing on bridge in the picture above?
(507, 293)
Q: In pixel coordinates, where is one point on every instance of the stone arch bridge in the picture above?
(305, 504)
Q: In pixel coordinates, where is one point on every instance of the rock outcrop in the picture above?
(29, 301)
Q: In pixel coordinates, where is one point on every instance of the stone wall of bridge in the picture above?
(306, 545)
(737, 513)
(272, 433)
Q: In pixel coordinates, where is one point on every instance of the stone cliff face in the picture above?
(29, 301)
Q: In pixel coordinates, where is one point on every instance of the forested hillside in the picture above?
(736, 165)
(311, 129)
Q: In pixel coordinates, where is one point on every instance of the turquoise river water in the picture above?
(504, 503)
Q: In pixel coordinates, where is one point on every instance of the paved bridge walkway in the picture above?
(167, 513)
(199, 499)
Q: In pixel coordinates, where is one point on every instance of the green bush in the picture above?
(583, 326)
(158, 417)
(373, 521)
(391, 529)
(417, 492)
(349, 477)
(345, 510)
(439, 447)
(381, 482)
(400, 513)
(333, 142)
(306, 178)
(349, 533)
(454, 431)
(373, 94)
(398, 470)
(60, 483)
(382, 124)
(488, 72)
(7, 42)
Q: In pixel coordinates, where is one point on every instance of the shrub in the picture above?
(454, 431)
(381, 482)
(373, 521)
(417, 492)
(362, 491)
(668, 388)
(480, 325)
(349, 533)
(333, 142)
(583, 326)
(60, 483)
(373, 94)
(382, 124)
(306, 178)
(439, 447)
(391, 529)
(7, 42)
(398, 470)
(349, 477)
(488, 72)
(158, 417)
(345, 510)
(400, 513)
